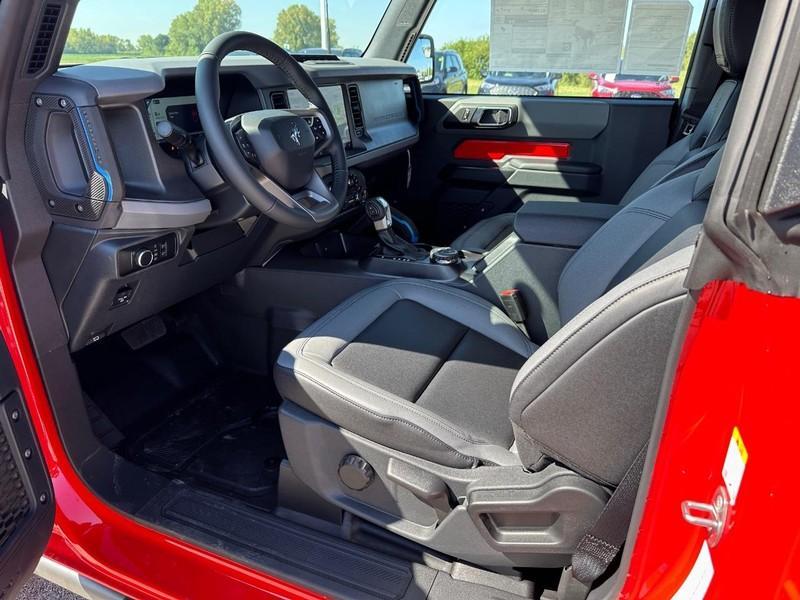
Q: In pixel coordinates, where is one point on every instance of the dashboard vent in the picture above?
(355, 106)
(44, 38)
(278, 100)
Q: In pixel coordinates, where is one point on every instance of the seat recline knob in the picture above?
(445, 256)
(355, 472)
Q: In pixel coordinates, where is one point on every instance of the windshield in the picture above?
(149, 28)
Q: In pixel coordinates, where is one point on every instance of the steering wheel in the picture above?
(268, 155)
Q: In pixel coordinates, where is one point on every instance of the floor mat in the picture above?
(225, 436)
(244, 461)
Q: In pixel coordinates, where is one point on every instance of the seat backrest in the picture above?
(587, 397)
(734, 28)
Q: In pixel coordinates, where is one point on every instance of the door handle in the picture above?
(493, 117)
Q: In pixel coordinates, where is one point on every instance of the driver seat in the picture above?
(423, 408)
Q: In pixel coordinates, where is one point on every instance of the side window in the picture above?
(599, 48)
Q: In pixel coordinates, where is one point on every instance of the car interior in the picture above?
(379, 342)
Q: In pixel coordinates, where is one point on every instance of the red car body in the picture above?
(618, 85)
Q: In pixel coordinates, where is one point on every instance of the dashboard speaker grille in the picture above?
(279, 100)
(355, 107)
(44, 38)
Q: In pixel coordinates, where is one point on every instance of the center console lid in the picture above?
(554, 223)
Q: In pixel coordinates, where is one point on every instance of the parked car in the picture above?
(519, 83)
(449, 74)
(626, 85)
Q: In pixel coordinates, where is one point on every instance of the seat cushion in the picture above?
(422, 368)
(486, 234)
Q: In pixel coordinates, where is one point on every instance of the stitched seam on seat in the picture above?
(404, 405)
(548, 449)
(380, 416)
(589, 322)
(336, 312)
(444, 361)
(593, 240)
(492, 309)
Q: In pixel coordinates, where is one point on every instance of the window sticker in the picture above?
(557, 35)
(735, 462)
(657, 36)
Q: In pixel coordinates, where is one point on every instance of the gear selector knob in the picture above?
(379, 213)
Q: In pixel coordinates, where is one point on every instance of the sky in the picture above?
(355, 19)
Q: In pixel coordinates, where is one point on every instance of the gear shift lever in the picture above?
(379, 212)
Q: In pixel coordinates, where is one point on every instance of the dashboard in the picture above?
(147, 226)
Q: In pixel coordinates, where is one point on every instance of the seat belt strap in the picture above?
(601, 544)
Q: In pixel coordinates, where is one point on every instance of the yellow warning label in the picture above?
(737, 439)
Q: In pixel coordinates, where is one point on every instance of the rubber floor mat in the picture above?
(244, 461)
(225, 405)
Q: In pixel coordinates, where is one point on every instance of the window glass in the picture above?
(102, 29)
(600, 48)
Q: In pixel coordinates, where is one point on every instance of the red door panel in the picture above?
(740, 367)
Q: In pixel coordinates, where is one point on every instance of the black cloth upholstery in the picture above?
(419, 367)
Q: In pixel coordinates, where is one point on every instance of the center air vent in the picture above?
(278, 100)
(355, 106)
(44, 39)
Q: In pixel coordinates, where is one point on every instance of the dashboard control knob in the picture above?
(143, 258)
(445, 256)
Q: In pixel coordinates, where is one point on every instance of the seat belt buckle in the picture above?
(513, 305)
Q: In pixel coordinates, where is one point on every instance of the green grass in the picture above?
(81, 59)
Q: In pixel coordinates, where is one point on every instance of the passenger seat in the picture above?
(735, 26)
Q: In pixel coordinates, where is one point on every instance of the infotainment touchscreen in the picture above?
(180, 111)
(335, 97)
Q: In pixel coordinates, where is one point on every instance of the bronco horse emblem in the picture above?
(295, 135)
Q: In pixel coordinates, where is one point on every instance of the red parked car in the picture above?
(284, 329)
(625, 85)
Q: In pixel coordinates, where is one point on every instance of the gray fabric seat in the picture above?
(735, 26)
(427, 369)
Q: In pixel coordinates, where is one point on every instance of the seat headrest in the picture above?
(735, 26)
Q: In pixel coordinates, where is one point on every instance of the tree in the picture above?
(474, 54)
(86, 41)
(149, 45)
(298, 27)
(191, 31)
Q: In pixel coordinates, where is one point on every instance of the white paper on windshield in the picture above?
(657, 37)
(557, 35)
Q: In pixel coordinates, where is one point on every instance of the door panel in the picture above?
(26, 495)
(584, 149)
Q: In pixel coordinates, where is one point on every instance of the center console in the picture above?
(395, 257)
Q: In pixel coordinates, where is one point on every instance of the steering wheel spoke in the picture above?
(242, 140)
